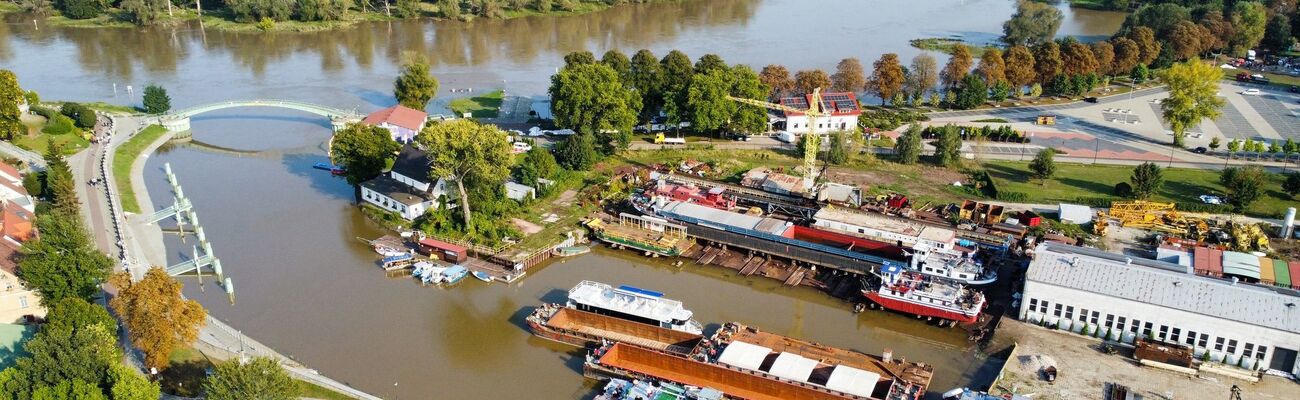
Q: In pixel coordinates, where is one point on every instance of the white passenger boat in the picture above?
(633, 304)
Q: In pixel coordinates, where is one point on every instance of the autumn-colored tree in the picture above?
(807, 80)
(1220, 29)
(958, 66)
(1193, 96)
(849, 76)
(777, 77)
(1047, 61)
(1104, 53)
(158, 319)
(887, 77)
(1184, 40)
(1077, 58)
(1148, 47)
(1127, 54)
(1020, 67)
(923, 74)
(992, 68)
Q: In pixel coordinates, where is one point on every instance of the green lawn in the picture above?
(1273, 79)
(485, 106)
(124, 156)
(111, 108)
(1074, 181)
(311, 390)
(38, 141)
(946, 45)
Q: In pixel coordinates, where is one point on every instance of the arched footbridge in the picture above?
(179, 120)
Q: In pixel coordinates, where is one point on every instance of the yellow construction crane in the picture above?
(815, 110)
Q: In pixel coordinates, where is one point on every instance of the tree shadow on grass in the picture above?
(184, 378)
(1185, 192)
(1007, 173)
(1091, 189)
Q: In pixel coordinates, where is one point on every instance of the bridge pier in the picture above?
(176, 124)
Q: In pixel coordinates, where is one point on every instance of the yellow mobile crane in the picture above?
(815, 110)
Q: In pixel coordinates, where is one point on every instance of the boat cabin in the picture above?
(633, 304)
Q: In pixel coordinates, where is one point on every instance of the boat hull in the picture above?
(890, 303)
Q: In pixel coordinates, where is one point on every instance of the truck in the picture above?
(661, 139)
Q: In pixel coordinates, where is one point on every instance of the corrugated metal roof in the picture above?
(1163, 284)
(1241, 264)
(725, 217)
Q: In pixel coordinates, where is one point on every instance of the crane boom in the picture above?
(815, 110)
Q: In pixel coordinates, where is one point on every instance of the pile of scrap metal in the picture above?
(1150, 215)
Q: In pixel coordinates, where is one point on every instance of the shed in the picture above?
(793, 367)
(744, 355)
(1241, 264)
(853, 381)
(519, 192)
(446, 251)
(1074, 213)
(1175, 255)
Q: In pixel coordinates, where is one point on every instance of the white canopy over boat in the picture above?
(793, 367)
(853, 381)
(744, 355)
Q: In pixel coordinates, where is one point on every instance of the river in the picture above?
(286, 233)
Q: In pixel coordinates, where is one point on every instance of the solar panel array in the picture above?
(799, 102)
(831, 102)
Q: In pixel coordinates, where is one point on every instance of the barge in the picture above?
(562, 324)
(913, 293)
(855, 373)
(652, 236)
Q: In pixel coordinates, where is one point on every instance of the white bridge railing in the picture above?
(317, 109)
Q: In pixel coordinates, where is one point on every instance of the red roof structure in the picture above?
(399, 115)
(838, 103)
(17, 223)
(9, 170)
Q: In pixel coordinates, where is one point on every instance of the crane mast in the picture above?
(814, 112)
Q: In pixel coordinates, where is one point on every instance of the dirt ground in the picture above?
(1083, 371)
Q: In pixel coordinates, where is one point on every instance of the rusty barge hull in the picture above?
(585, 329)
(637, 362)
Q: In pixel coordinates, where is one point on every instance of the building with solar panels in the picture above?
(843, 106)
(1102, 294)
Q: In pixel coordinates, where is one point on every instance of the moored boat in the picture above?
(968, 394)
(630, 303)
(570, 251)
(454, 274)
(427, 272)
(482, 276)
(562, 324)
(914, 293)
(651, 235)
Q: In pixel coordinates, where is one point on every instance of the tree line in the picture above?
(1236, 25)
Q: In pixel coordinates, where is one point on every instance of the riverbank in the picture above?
(125, 156)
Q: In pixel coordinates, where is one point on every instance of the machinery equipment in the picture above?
(816, 109)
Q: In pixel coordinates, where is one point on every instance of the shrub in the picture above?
(79, 9)
(1016, 197)
(58, 125)
(1123, 189)
(81, 115)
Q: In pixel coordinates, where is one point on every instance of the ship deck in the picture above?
(916, 373)
(625, 331)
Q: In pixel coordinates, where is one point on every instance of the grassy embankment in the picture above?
(483, 106)
(188, 370)
(1098, 5)
(40, 132)
(124, 157)
(946, 45)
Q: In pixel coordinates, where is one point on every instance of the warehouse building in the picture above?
(1090, 291)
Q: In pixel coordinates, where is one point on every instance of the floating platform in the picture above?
(653, 236)
(584, 329)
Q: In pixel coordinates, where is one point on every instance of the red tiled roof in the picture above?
(10, 170)
(17, 222)
(438, 244)
(399, 115)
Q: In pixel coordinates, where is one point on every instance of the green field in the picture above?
(37, 140)
(484, 106)
(124, 156)
(1074, 181)
(946, 45)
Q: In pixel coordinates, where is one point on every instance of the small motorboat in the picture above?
(333, 169)
(389, 251)
(570, 251)
(428, 273)
(454, 274)
(482, 276)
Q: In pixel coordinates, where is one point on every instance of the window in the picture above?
(1164, 332)
(1259, 353)
(1232, 346)
(1136, 325)
(1069, 312)
(1083, 314)
(1191, 338)
(1042, 307)
(22, 301)
(1120, 325)
(1095, 315)
(1177, 334)
(1058, 310)
(1204, 341)
(1248, 349)
(1218, 344)
(1110, 320)
(1146, 329)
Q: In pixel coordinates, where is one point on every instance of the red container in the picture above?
(446, 251)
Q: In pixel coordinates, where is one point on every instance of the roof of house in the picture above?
(837, 103)
(396, 190)
(399, 115)
(1164, 284)
(9, 256)
(9, 170)
(14, 187)
(412, 163)
(16, 221)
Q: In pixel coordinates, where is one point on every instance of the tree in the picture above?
(471, 154)
(1243, 184)
(908, 146)
(708, 102)
(1292, 184)
(1160, 18)
(1044, 164)
(59, 186)
(538, 164)
(841, 148)
(156, 100)
(1221, 31)
(676, 78)
(1140, 73)
(1148, 47)
(62, 262)
(579, 58)
(1020, 67)
(62, 355)
(807, 80)
(1000, 91)
(1147, 179)
(808, 141)
(1077, 58)
(947, 150)
(972, 92)
(849, 76)
(923, 74)
(590, 98)
(364, 151)
(75, 313)
(1193, 96)
(745, 83)
(79, 9)
(991, 67)
(415, 86)
(1215, 143)
(126, 384)
(1127, 54)
(618, 61)
(709, 63)
(156, 315)
(259, 378)
(1249, 21)
(141, 12)
(11, 125)
(1104, 54)
(1033, 23)
(887, 77)
(1277, 34)
(646, 77)
(82, 116)
(958, 66)
(1184, 40)
(1047, 61)
(1234, 146)
(577, 153)
(777, 78)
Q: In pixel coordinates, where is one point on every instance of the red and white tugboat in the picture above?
(913, 293)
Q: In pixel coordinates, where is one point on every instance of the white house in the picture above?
(406, 189)
(403, 122)
(1255, 326)
(843, 107)
(12, 190)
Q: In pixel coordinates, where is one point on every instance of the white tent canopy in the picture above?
(744, 355)
(793, 367)
(853, 381)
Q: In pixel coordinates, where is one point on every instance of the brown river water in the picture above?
(286, 233)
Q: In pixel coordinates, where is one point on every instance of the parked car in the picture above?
(1200, 150)
(1090, 99)
(1250, 92)
(521, 147)
(739, 137)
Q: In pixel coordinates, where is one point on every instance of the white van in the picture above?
(786, 136)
